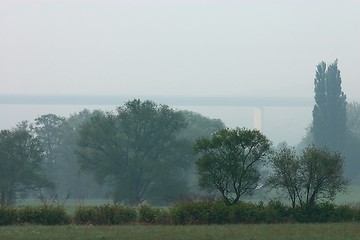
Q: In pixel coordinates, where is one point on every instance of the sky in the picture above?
(258, 48)
(176, 48)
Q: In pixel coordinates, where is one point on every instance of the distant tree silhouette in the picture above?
(329, 113)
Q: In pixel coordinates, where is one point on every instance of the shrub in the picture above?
(105, 215)
(33, 215)
(147, 214)
(190, 213)
(344, 213)
(123, 215)
(42, 215)
(245, 212)
(277, 212)
(84, 215)
(7, 216)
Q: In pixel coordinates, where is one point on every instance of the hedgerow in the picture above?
(44, 215)
(182, 213)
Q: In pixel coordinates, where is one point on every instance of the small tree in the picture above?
(285, 176)
(317, 174)
(321, 173)
(230, 161)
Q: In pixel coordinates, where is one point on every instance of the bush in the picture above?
(42, 215)
(277, 212)
(7, 216)
(105, 215)
(246, 212)
(190, 213)
(124, 215)
(148, 214)
(201, 212)
(33, 215)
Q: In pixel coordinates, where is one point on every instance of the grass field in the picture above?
(143, 232)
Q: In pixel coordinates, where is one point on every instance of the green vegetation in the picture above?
(329, 113)
(315, 175)
(339, 231)
(20, 164)
(33, 215)
(230, 162)
(184, 213)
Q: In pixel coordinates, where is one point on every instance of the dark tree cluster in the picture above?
(335, 122)
(142, 152)
(20, 164)
(329, 113)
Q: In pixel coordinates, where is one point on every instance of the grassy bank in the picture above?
(143, 232)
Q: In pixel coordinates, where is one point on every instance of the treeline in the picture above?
(142, 151)
(184, 213)
(145, 152)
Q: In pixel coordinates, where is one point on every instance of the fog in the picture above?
(278, 123)
(177, 48)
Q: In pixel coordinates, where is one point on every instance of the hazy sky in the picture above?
(182, 48)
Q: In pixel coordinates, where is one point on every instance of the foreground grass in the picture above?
(143, 232)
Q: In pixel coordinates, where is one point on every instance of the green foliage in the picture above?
(105, 215)
(48, 131)
(201, 212)
(351, 150)
(68, 178)
(205, 212)
(135, 150)
(150, 215)
(329, 113)
(199, 126)
(20, 164)
(7, 216)
(33, 215)
(247, 212)
(230, 161)
(315, 175)
(183, 213)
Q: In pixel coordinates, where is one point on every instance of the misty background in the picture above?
(177, 48)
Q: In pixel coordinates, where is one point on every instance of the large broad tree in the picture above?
(315, 175)
(329, 113)
(137, 150)
(230, 162)
(20, 164)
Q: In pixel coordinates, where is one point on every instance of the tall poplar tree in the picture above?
(329, 113)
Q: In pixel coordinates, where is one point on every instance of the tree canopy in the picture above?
(137, 150)
(329, 113)
(317, 174)
(230, 160)
(20, 164)
(48, 131)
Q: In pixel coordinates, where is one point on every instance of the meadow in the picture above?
(331, 231)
